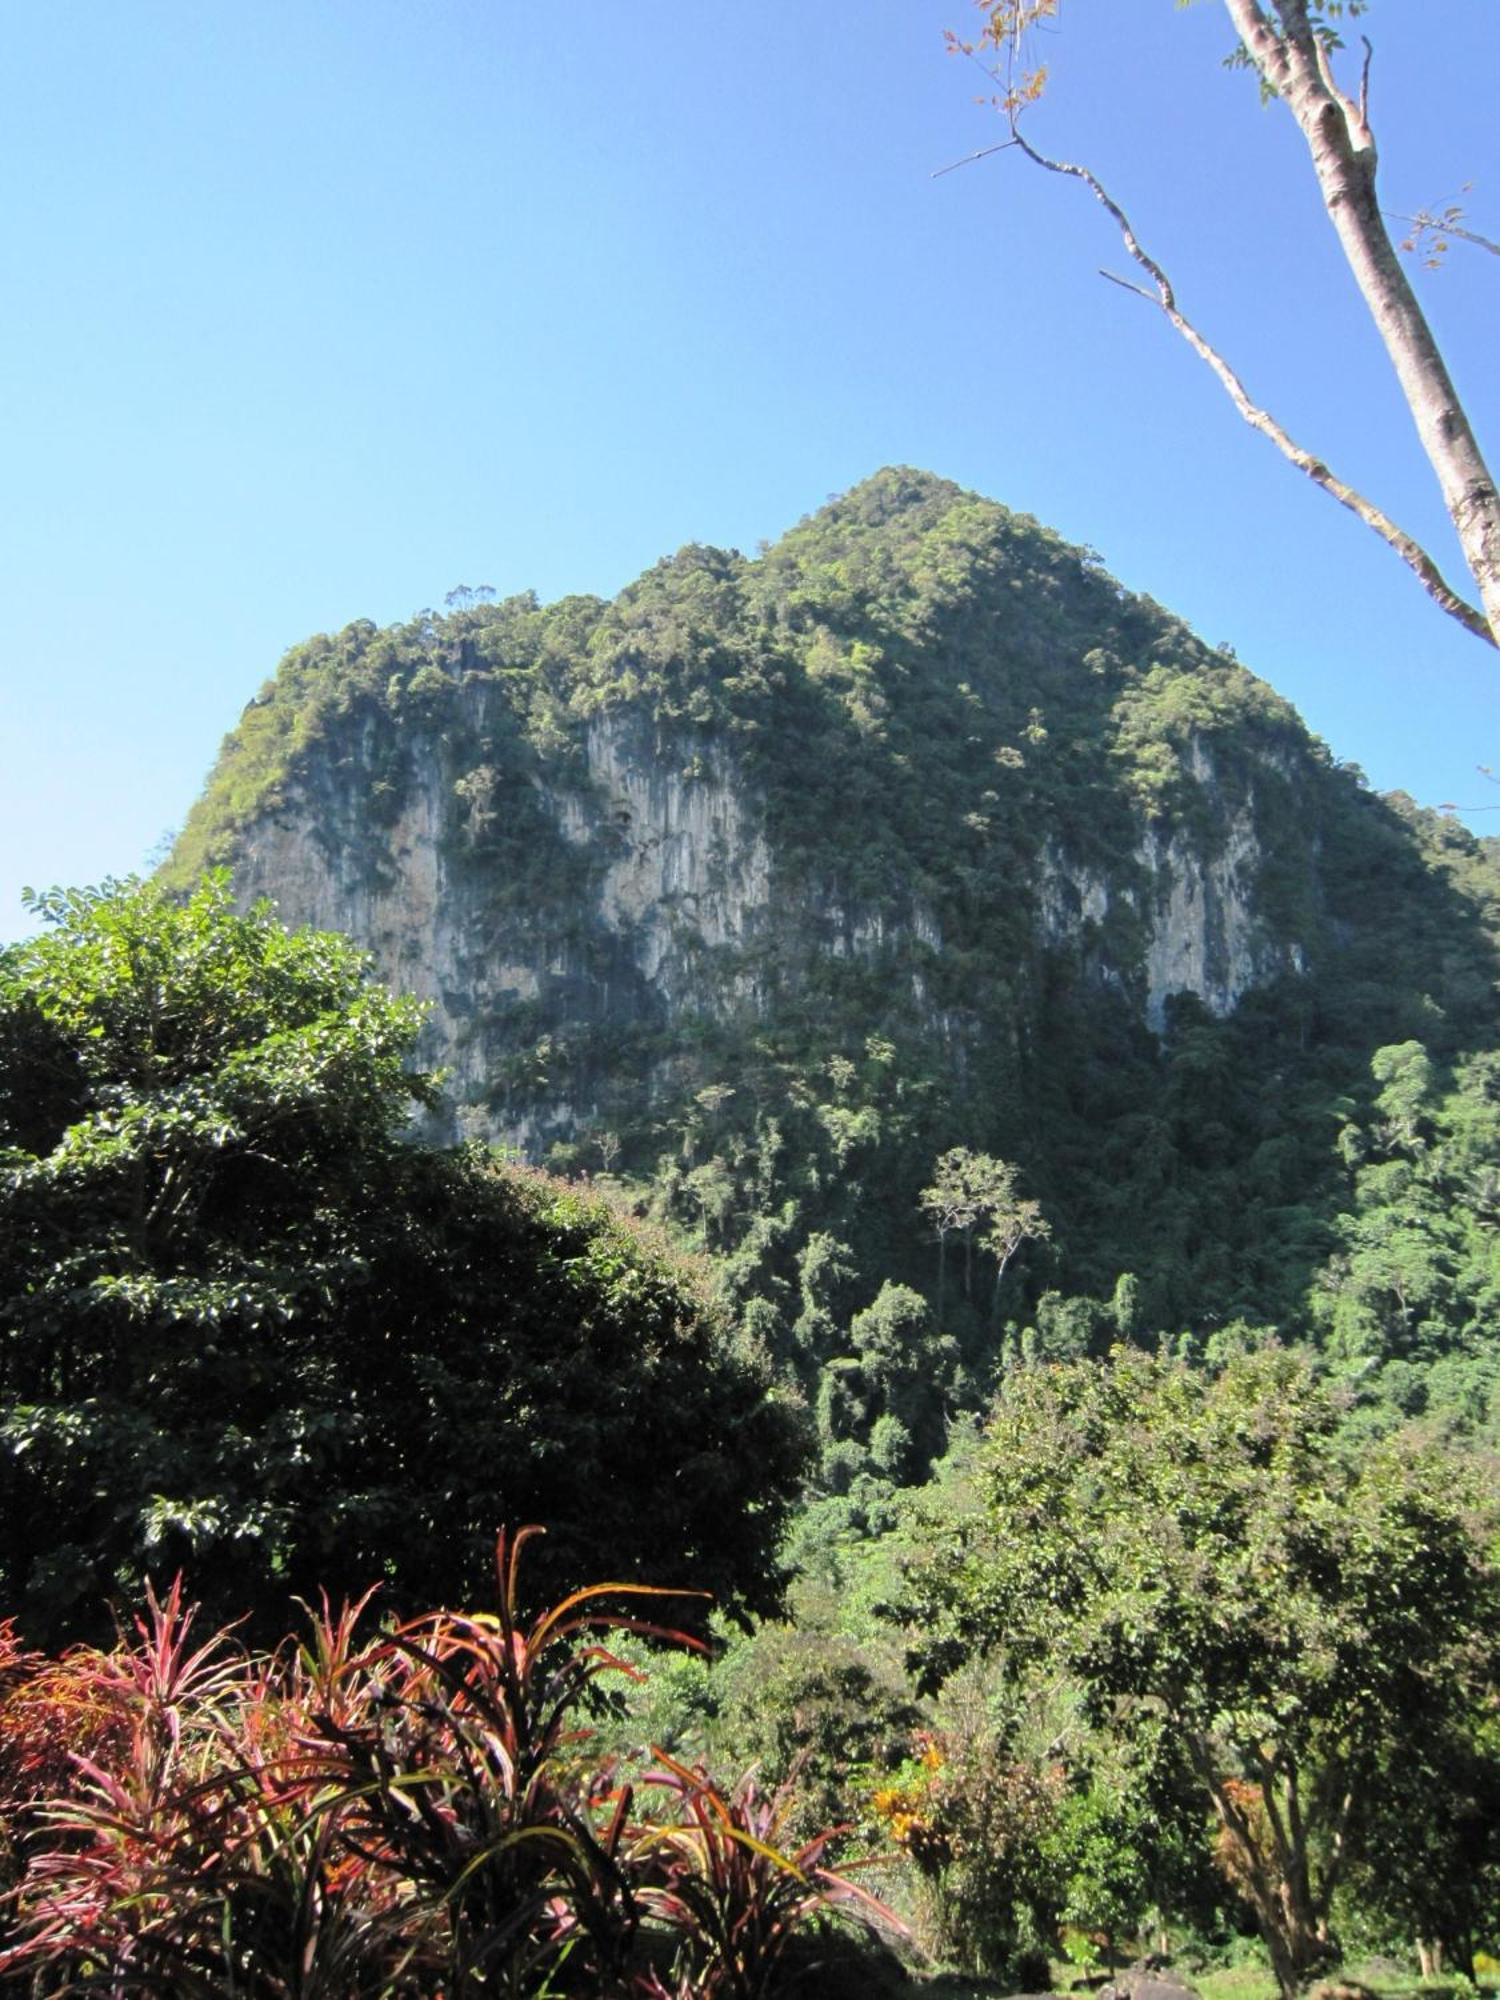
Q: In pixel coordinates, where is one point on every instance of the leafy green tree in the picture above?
(973, 1195)
(816, 1710)
(907, 1368)
(1427, 1866)
(1414, 1279)
(247, 1326)
(952, 1202)
(1119, 1860)
(1009, 1221)
(1212, 1568)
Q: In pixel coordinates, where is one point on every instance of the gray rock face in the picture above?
(689, 870)
(1195, 903)
(921, 771)
(543, 914)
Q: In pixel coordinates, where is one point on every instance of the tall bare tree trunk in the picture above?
(1295, 63)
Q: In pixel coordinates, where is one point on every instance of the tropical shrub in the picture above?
(419, 1812)
(977, 1821)
(718, 1878)
(1299, 1622)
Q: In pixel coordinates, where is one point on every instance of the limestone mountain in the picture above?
(776, 876)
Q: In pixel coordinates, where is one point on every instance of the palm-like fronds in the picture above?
(416, 1815)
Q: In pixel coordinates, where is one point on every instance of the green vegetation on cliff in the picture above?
(988, 783)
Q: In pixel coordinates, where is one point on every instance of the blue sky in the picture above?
(317, 308)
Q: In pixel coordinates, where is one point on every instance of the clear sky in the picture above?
(316, 308)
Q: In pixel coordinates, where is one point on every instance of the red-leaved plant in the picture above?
(464, 1771)
(419, 1815)
(714, 1873)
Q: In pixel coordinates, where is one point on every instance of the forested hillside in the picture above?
(762, 890)
(1015, 1169)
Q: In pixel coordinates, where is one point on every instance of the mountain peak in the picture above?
(916, 832)
(895, 490)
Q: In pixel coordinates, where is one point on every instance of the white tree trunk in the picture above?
(1293, 61)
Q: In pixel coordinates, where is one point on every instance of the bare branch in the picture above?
(1469, 236)
(969, 159)
(1331, 83)
(1325, 69)
(1410, 551)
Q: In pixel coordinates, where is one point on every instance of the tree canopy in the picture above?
(248, 1325)
(1301, 1626)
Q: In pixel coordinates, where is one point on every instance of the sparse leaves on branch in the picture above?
(1294, 46)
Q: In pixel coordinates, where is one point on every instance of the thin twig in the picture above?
(969, 159)
(1410, 551)
(1437, 225)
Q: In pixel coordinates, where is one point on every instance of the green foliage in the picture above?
(977, 1823)
(1408, 1297)
(1428, 1863)
(248, 1327)
(975, 1197)
(818, 1714)
(1226, 1578)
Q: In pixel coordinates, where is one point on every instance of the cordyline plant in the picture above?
(419, 1815)
(717, 1878)
(182, 1857)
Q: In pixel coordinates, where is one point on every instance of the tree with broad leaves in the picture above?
(1300, 1620)
(251, 1329)
(973, 1195)
(1295, 50)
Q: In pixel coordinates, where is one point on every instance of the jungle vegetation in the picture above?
(1177, 1643)
(1086, 1424)
(938, 704)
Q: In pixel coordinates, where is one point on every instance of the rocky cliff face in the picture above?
(1195, 902)
(648, 887)
(675, 912)
(915, 774)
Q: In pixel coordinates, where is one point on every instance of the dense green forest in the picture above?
(938, 706)
(1078, 1395)
(259, 1335)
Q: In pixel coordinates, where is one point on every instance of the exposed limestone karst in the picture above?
(918, 771)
